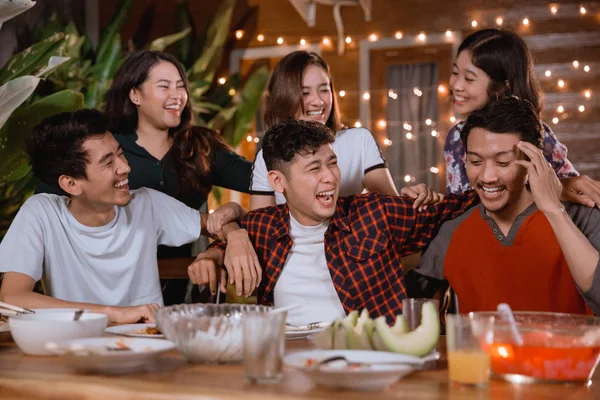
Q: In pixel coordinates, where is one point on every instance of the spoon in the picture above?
(505, 309)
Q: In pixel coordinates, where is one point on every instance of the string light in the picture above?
(417, 92)
(448, 33)
(581, 108)
(348, 39)
(575, 64)
(587, 94)
(422, 36)
(357, 124)
(381, 124)
(406, 126)
(428, 122)
(453, 119)
(231, 91)
(249, 138)
(366, 96)
(555, 120)
(279, 40)
(554, 9)
(398, 35)
(302, 42)
(326, 41)
(373, 37)
(499, 21)
(256, 140)
(260, 38)
(442, 89)
(434, 170)
(239, 34)
(222, 81)
(525, 21)
(474, 24)
(586, 68)
(211, 211)
(387, 142)
(582, 10)
(435, 133)
(392, 94)
(342, 93)
(548, 73)
(409, 178)
(560, 109)
(561, 83)
(409, 136)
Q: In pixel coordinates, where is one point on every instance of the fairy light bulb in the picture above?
(435, 133)
(398, 35)
(381, 124)
(560, 109)
(581, 108)
(348, 39)
(453, 119)
(222, 81)
(561, 83)
(279, 40)
(448, 34)
(586, 68)
(434, 170)
(302, 42)
(326, 41)
(357, 124)
(554, 9)
(239, 34)
(366, 96)
(387, 142)
(442, 89)
(548, 73)
(526, 21)
(422, 36)
(474, 24)
(373, 37)
(499, 21)
(555, 120)
(342, 93)
(582, 10)
(587, 94)
(409, 136)
(260, 38)
(576, 64)
(428, 122)
(249, 138)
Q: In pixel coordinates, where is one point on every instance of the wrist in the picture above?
(233, 230)
(555, 212)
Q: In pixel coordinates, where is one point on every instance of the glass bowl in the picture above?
(556, 347)
(206, 333)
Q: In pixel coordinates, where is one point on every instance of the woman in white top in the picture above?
(301, 88)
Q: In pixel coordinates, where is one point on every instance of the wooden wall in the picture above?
(555, 40)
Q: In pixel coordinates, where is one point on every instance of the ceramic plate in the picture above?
(134, 330)
(93, 355)
(291, 334)
(386, 368)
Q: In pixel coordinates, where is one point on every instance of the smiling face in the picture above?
(317, 97)
(310, 185)
(161, 98)
(106, 183)
(469, 85)
(491, 168)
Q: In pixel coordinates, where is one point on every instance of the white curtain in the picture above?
(412, 91)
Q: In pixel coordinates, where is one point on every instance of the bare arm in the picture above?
(380, 181)
(17, 289)
(260, 201)
(581, 256)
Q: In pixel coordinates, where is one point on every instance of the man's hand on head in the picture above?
(544, 184)
(422, 195)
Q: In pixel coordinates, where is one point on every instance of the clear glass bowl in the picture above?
(206, 333)
(556, 347)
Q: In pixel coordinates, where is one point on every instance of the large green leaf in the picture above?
(246, 112)
(52, 26)
(162, 43)
(13, 93)
(205, 66)
(222, 118)
(14, 167)
(11, 8)
(183, 20)
(104, 70)
(32, 59)
(114, 27)
(16, 130)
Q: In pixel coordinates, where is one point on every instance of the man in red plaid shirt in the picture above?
(324, 254)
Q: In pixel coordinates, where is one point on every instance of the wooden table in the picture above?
(30, 377)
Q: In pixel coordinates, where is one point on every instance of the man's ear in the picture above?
(70, 185)
(134, 96)
(277, 180)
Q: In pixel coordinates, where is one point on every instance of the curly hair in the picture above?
(287, 139)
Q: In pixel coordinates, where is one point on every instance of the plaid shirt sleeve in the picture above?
(416, 229)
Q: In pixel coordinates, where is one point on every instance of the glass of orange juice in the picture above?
(467, 340)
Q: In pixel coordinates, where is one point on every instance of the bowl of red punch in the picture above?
(544, 347)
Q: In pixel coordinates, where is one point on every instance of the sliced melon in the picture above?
(339, 336)
(401, 325)
(418, 342)
(324, 339)
(355, 340)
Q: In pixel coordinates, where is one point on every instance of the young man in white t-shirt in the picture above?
(96, 248)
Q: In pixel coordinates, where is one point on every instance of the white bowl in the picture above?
(97, 359)
(376, 377)
(31, 332)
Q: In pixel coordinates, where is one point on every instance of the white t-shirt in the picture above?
(357, 153)
(305, 279)
(114, 264)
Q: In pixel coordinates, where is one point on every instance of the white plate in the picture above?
(376, 377)
(142, 352)
(291, 334)
(133, 330)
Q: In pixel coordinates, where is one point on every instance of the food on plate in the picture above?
(360, 332)
(148, 330)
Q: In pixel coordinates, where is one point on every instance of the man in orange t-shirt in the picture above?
(521, 245)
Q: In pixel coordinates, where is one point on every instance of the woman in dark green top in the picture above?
(151, 117)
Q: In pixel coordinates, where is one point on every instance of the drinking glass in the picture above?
(411, 309)
(264, 345)
(468, 339)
